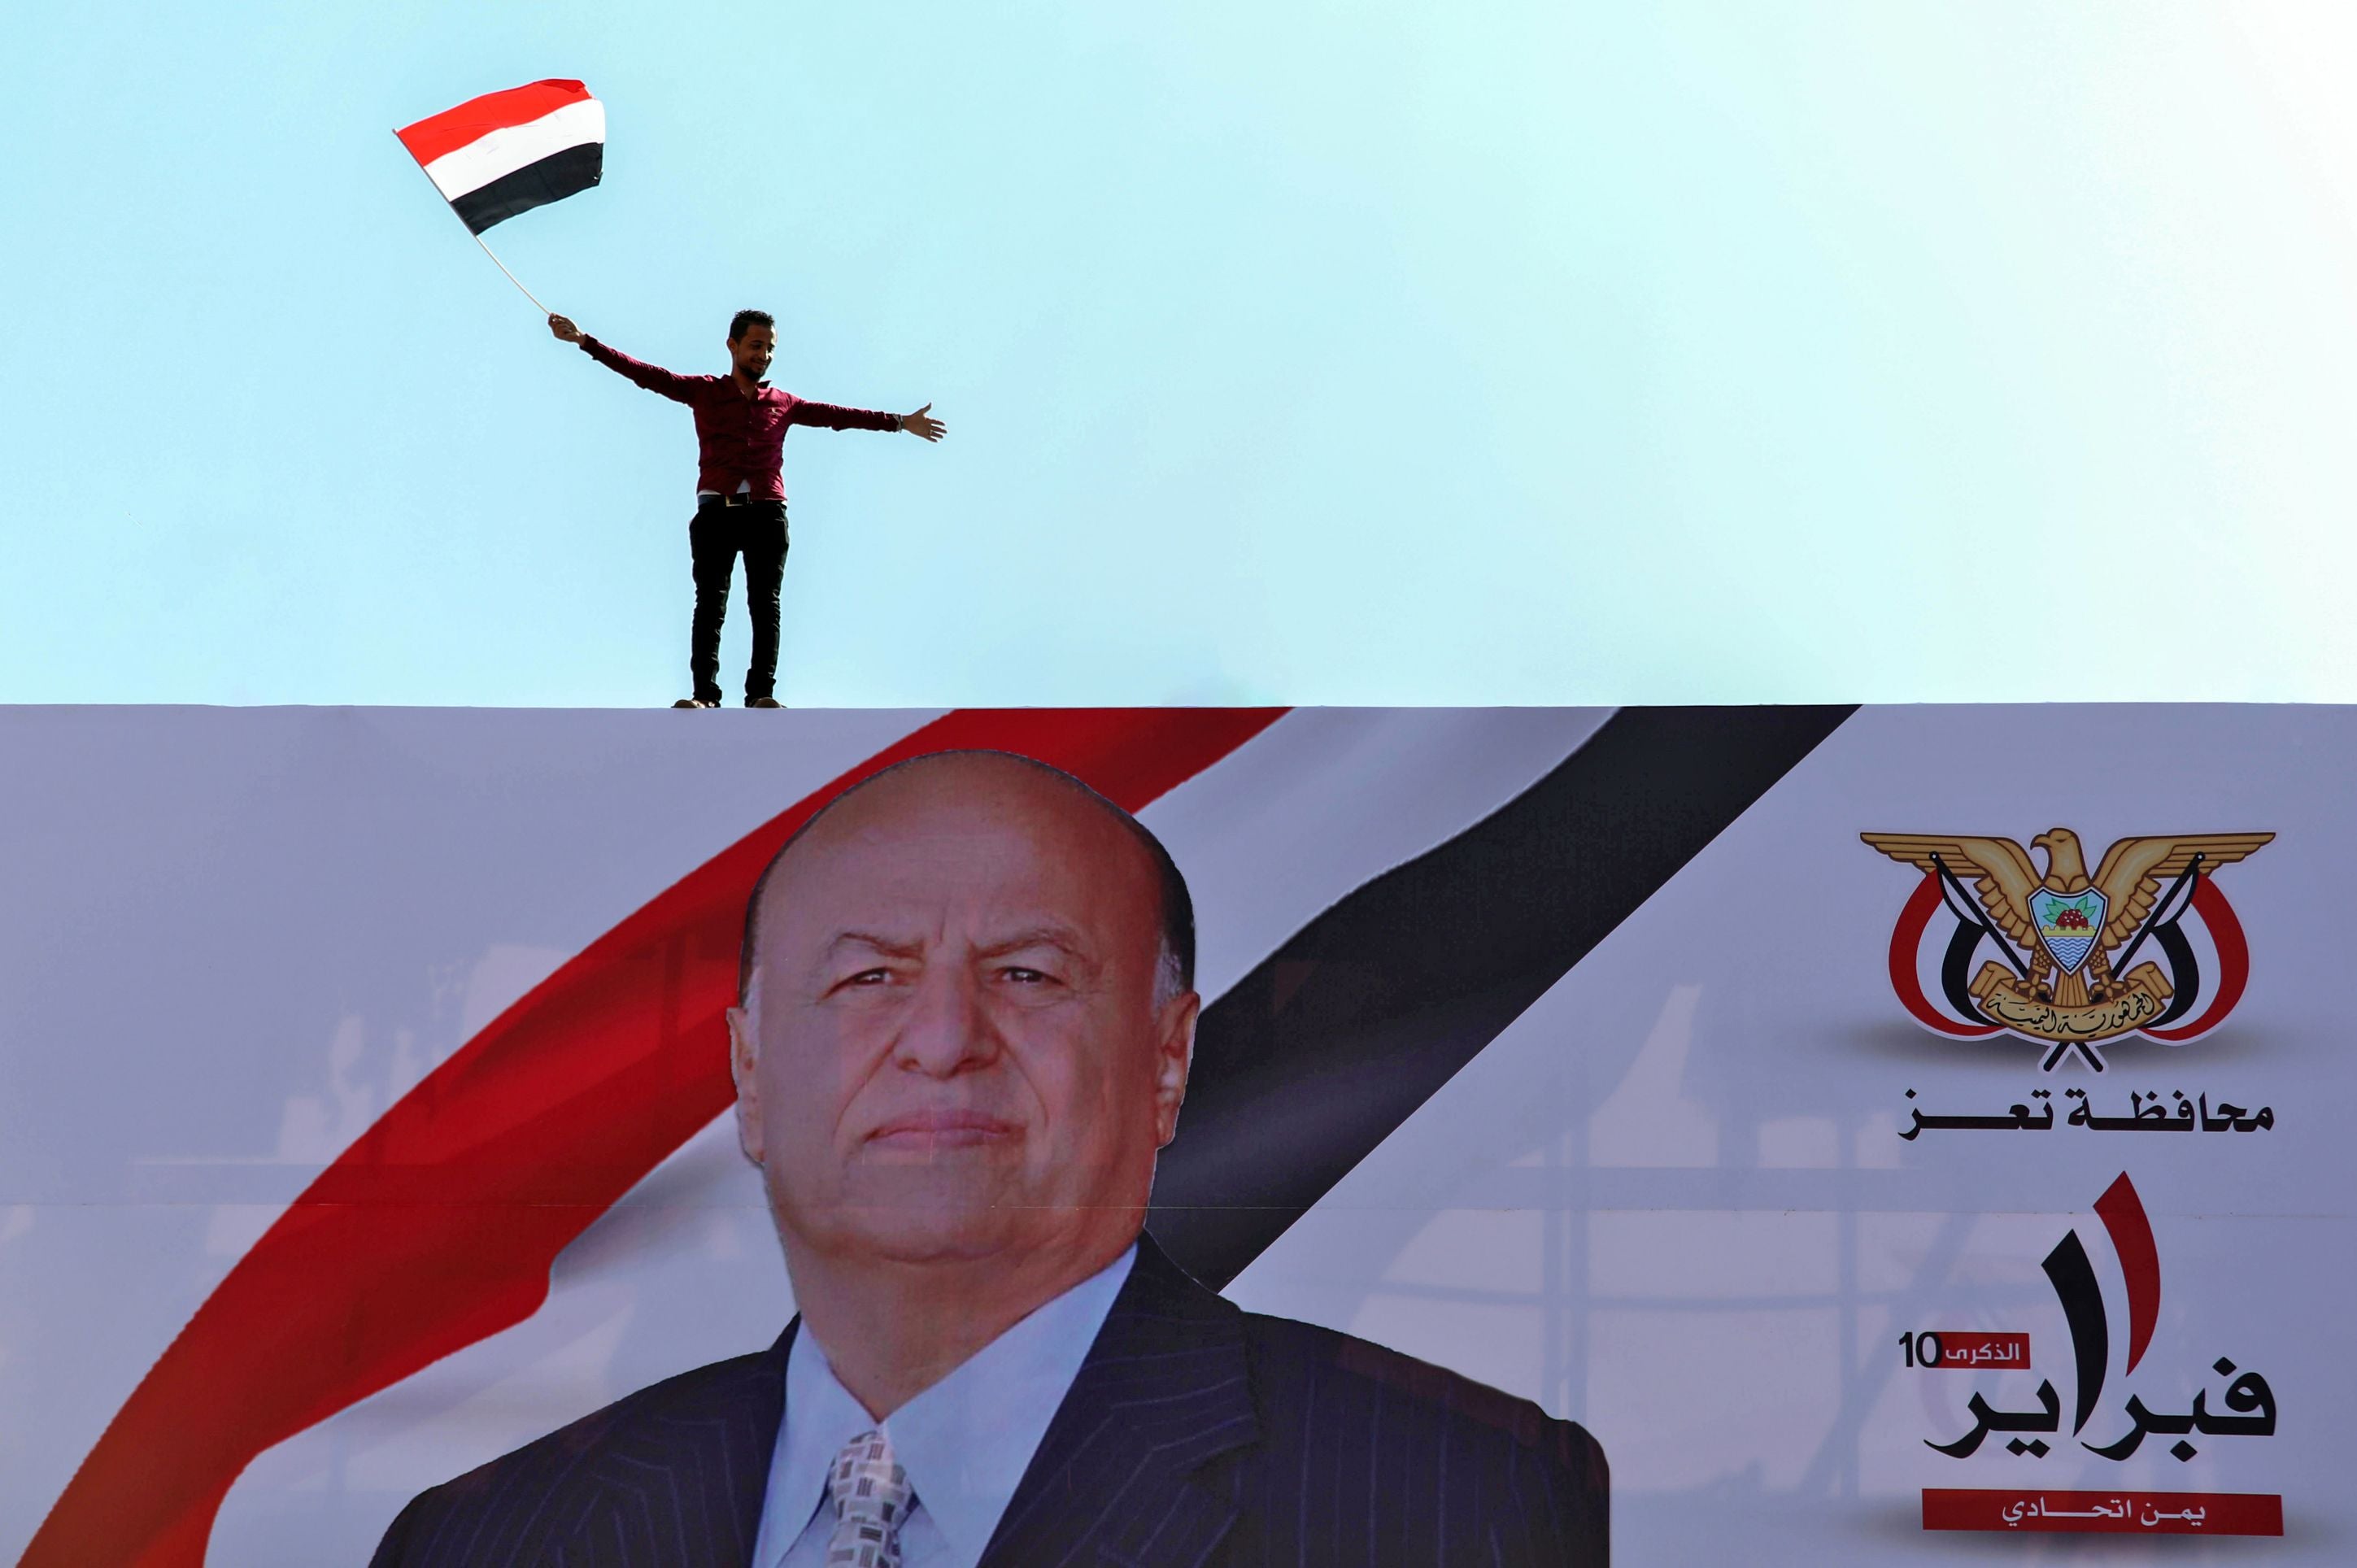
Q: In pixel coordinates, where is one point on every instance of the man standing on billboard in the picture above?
(740, 500)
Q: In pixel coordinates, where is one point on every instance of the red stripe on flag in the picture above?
(1906, 938)
(453, 128)
(2234, 963)
(437, 1229)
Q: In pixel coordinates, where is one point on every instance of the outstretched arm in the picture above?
(834, 416)
(654, 378)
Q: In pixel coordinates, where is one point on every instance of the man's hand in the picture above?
(916, 423)
(568, 333)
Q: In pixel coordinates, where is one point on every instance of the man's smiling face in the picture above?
(752, 352)
(959, 1039)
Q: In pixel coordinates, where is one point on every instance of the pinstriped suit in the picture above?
(1195, 1434)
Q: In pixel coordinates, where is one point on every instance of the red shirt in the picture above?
(739, 439)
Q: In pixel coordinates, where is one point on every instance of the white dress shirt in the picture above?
(965, 1442)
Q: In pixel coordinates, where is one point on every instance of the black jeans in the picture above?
(715, 537)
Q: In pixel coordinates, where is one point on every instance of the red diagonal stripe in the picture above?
(438, 1226)
(453, 128)
(2123, 1215)
(1906, 937)
(2233, 964)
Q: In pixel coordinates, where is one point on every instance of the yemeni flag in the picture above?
(505, 153)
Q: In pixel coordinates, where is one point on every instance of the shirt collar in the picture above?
(820, 1417)
(965, 1442)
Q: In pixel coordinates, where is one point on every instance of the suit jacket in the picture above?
(1194, 1435)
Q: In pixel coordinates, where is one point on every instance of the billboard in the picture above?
(1870, 1141)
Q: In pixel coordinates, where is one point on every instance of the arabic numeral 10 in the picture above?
(1922, 1349)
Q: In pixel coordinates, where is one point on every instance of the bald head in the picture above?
(1003, 777)
(966, 1023)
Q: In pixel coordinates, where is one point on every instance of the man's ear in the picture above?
(744, 1058)
(1174, 1055)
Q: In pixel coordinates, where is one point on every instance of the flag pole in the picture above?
(510, 276)
(476, 238)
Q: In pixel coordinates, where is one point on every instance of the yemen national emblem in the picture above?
(2069, 943)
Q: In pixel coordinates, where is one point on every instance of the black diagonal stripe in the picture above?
(2184, 973)
(552, 179)
(2082, 1309)
(1318, 1054)
(1955, 970)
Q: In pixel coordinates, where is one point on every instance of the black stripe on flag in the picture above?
(552, 179)
(1336, 1038)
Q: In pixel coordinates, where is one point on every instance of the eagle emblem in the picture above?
(2068, 940)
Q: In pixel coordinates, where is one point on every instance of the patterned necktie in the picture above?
(872, 1497)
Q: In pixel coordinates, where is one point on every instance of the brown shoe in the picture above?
(693, 703)
(763, 702)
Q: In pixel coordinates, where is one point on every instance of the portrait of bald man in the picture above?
(967, 1010)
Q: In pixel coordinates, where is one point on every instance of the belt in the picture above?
(703, 500)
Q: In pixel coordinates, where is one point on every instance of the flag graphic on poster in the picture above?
(505, 153)
(1410, 840)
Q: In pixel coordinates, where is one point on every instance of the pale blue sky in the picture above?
(1336, 352)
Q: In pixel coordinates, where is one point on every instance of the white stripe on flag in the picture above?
(495, 154)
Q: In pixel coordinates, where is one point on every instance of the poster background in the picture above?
(1669, 1201)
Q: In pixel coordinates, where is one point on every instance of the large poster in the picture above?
(1879, 1143)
